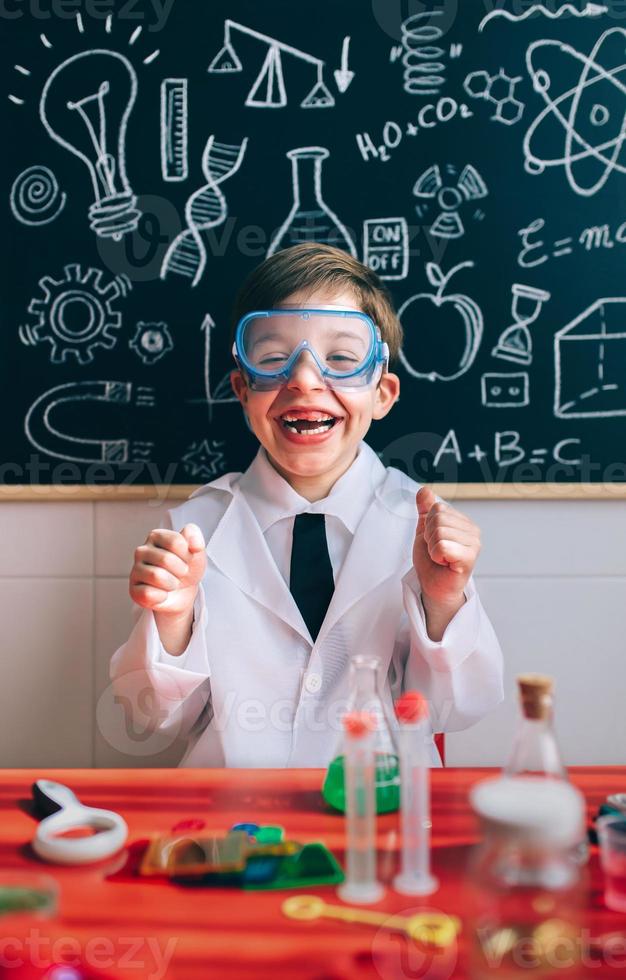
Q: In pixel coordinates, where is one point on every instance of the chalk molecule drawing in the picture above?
(268, 90)
(76, 314)
(591, 114)
(205, 208)
(567, 9)
(499, 90)
(35, 196)
(450, 194)
(204, 460)
(590, 362)
(151, 341)
(43, 435)
(450, 321)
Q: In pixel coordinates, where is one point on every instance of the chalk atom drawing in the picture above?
(76, 314)
(449, 194)
(268, 90)
(93, 127)
(590, 116)
(42, 433)
(35, 197)
(206, 208)
(590, 362)
(174, 121)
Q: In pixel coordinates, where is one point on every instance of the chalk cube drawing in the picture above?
(590, 362)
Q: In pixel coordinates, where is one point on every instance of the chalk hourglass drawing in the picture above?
(310, 218)
(85, 106)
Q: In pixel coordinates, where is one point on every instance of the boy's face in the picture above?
(329, 453)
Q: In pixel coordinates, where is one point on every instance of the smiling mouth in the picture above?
(313, 423)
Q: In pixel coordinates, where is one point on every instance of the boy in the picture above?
(270, 581)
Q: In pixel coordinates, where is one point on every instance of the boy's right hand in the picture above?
(168, 569)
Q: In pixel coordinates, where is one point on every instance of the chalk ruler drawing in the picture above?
(594, 133)
(505, 390)
(174, 122)
(151, 341)
(386, 247)
(310, 218)
(590, 362)
(205, 208)
(76, 314)
(449, 195)
(421, 54)
(515, 342)
(457, 305)
(93, 127)
(268, 90)
(499, 90)
(42, 434)
(35, 197)
(567, 9)
(203, 459)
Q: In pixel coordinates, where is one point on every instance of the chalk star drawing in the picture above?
(76, 314)
(202, 459)
(594, 130)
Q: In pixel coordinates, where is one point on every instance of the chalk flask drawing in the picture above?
(310, 219)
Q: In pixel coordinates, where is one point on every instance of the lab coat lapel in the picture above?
(381, 547)
(238, 548)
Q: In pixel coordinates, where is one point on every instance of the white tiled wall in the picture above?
(552, 576)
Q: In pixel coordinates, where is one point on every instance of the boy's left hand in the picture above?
(447, 544)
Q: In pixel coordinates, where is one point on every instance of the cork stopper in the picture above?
(535, 695)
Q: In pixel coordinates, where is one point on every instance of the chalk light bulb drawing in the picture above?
(85, 106)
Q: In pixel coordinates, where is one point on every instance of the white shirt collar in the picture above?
(271, 498)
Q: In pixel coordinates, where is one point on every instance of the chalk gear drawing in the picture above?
(151, 341)
(76, 314)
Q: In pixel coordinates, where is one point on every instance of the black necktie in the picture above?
(311, 573)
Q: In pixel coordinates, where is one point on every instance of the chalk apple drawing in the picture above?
(467, 332)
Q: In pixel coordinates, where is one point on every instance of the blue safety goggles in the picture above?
(345, 344)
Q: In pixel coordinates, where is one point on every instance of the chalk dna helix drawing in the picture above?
(206, 208)
(76, 314)
(591, 114)
(35, 196)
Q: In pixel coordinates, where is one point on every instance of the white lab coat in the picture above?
(253, 690)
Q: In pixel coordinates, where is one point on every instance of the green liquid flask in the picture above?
(365, 696)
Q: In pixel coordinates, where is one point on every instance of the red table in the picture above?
(148, 930)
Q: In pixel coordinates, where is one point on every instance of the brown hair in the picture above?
(312, 265)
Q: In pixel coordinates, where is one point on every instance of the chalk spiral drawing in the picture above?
(268, 90)
(204, 460)
(85, 106)
(35, 196)
(449, 195)
(590, 353)
(76, 314)
(499, 90)
(421, 55)
(151, 341)
(43, 435)
(589, 10)
(206, 208)
(578, 107)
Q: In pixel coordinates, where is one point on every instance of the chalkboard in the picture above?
(155, 152)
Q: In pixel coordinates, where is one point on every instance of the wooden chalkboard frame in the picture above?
(450, 491)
